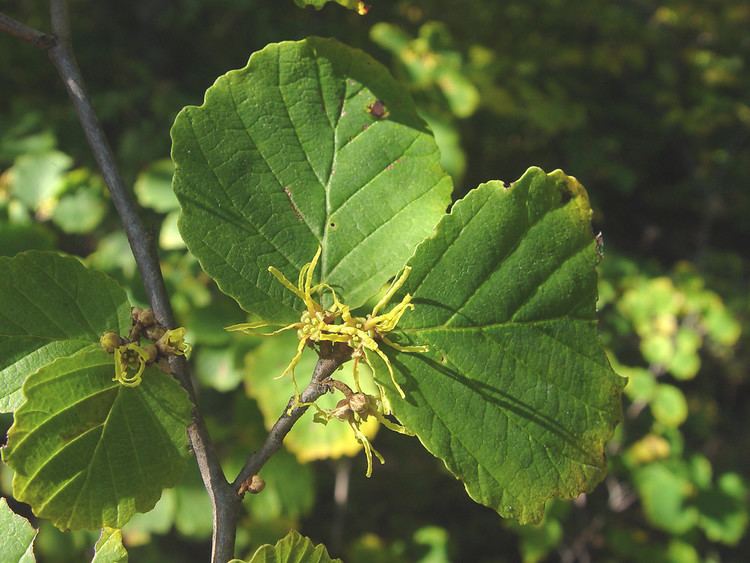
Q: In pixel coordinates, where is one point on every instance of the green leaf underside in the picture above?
(109, 548)
(293, 548)
(285, 155)
(51, 306)
(516, 394)
(16, 536)
(88, 452)
(308, 440)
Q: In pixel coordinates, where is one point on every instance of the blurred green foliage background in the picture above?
(647, 103)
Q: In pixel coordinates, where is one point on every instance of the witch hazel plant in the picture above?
(478, 325)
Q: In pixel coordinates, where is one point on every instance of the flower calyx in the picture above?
(147, 343)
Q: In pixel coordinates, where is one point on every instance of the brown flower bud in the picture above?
(252, 485)
(147, 318)
(155, 332)
(109, 341)
(152, 352)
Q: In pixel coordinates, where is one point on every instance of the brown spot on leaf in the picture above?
(291, 202)
(378, 110)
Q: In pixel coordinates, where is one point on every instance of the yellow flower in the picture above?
(130, 361)
(364, 333)
(172, 343)
(312, 323)
(361, 334)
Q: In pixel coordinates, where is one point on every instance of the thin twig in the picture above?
(25, 33)
(225, 497)
(331, 358)
(225, 502)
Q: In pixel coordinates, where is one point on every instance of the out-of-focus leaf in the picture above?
(435, 540)
(193, 517)
(641, 384)
(220, 368)
(358, 5)
(669, 405)
(16, 536)
(158, 520)
(153, 187)
(113, 254)
(15, 238)
(294, 548)
(38, 178)
(79, 212)
(169, 236)
(664, 491)
(724, 510)
(452, 156)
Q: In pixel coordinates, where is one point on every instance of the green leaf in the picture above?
(292, 548)
(51, 306)
(113, 254)
(79, 212)
(88, 452)
(285, 155)
(219, 368)
(723, 510)
(169, 236)
(109, 548)
(308, 440)
(153, 187)
(17, 536)
(192, 516)
(516, 394)
(158, 520)
(665, 492)
(38, 178)
(669, 405)
(15, 238)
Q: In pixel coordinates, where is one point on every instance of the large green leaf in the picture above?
(17, 543)
(51, 306)
(89, 452)
(516, 394)
(287, 154)
(293, 548)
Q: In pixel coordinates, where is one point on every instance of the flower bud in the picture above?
(109, 341)
(152, 352)
(144, 316)
(252, 485)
